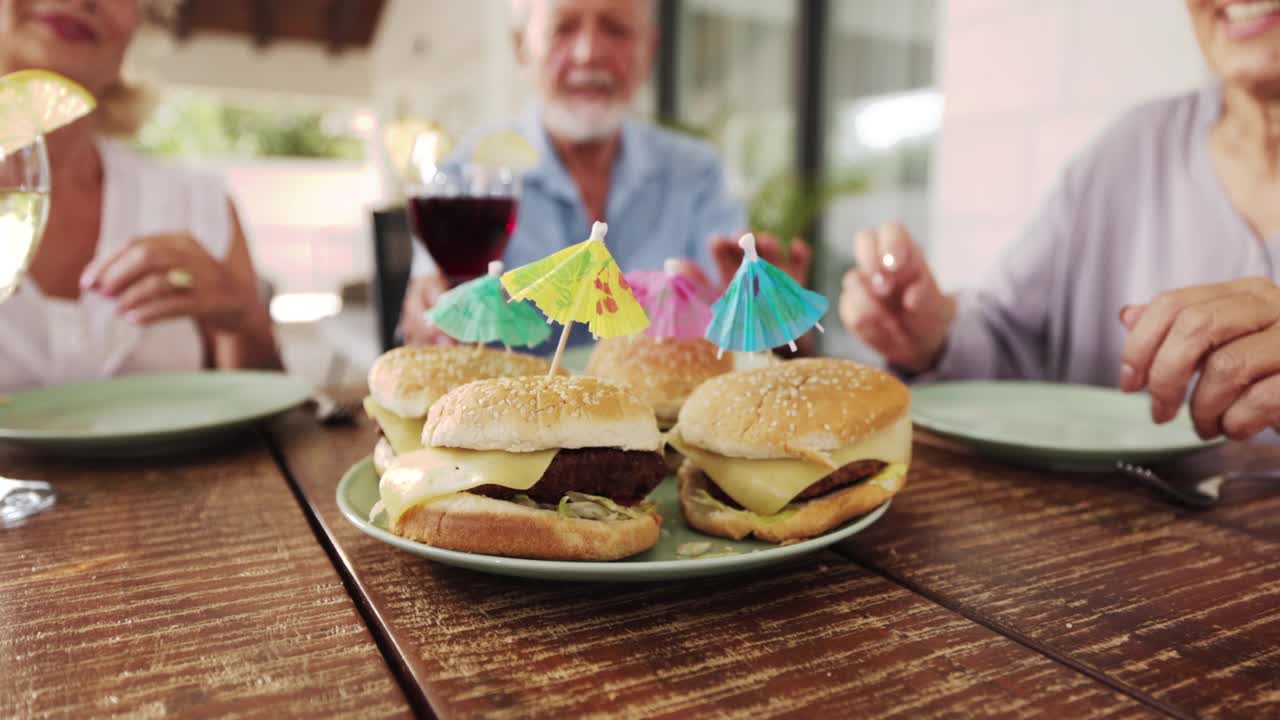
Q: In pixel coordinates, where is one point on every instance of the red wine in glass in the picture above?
(463, 233)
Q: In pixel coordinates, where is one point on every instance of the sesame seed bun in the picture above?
(793, 409)
(662, 374)
(528, 414)
(407, 380)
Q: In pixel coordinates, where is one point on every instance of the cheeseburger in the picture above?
(791, 451)
(404, 382)
(661, 373)
(539, 467)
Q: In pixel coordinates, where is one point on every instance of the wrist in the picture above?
(936, 346)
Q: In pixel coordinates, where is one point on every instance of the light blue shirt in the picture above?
(667, 197)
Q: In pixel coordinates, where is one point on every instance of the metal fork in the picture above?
(1204, 493)
(332, 412)
(20, 499)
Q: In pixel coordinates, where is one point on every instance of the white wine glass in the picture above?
(24, 208)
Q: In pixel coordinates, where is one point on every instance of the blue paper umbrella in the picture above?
(477, 312)
(763, 308)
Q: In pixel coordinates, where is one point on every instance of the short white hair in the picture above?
(520, 10)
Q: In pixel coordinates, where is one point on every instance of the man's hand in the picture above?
(421, 295)
(796, 262)
(728, 256)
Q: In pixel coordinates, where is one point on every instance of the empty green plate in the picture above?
(358, 492)
(145, 414)
(1067, 427)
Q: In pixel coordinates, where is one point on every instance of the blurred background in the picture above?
(953, 116)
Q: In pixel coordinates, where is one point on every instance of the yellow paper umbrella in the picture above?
(581, 283)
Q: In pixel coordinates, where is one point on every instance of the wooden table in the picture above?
(227, 582)
(178, 587)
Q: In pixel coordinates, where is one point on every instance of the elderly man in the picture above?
(663, 195)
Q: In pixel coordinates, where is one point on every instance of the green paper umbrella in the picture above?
(477, 312)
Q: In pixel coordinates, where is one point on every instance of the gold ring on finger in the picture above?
(180, 279)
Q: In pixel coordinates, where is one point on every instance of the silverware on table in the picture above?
(1203, 493)
(20, 499)
(329, 411)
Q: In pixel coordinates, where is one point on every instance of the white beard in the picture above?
(583, 121)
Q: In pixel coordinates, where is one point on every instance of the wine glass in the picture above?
(462, 213)
(24, 208)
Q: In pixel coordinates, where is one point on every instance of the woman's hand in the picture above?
(160, 277)
(1230, 333)
(892, 301)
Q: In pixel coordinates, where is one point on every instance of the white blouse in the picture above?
(47, 341)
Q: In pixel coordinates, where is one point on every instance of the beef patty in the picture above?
(624, 476)
(847, 475)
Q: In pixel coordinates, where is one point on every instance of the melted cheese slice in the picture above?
(424, 475)
(766, 486)
(404, 434)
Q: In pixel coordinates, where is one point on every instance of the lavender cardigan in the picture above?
(1139, 212)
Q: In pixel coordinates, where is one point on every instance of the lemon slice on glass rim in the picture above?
(506, 149)
(33, 102)
(414, 144)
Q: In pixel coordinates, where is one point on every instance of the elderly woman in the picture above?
(1153, 260)
(144, 266)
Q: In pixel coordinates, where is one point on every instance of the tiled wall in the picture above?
(1027, 84)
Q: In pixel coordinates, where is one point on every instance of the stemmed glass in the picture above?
(24, 208)
(463, 214)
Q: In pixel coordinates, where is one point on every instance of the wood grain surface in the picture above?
(818, 638)
(1179, 606)
(179, 587)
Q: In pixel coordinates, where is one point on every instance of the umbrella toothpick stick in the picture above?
(564, 340)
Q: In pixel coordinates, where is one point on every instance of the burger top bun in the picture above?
(528, 414)
(662, 373)
(792, 409)
(407, 380)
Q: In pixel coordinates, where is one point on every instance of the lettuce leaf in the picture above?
(581, 506)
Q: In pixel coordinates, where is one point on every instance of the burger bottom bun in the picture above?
(382, 456)
(479, 524)
(811, 518)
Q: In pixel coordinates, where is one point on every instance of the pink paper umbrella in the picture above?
(679, 307)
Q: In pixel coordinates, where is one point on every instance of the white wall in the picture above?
(447, 60)
(307, 220)
(1027, 84)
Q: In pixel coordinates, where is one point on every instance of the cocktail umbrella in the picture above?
(477, 312)
(679, 307)
(581, 283)
(763, 308)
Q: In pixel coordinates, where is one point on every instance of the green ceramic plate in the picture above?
(358, 492)
(1069, 427)
(145, 414)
